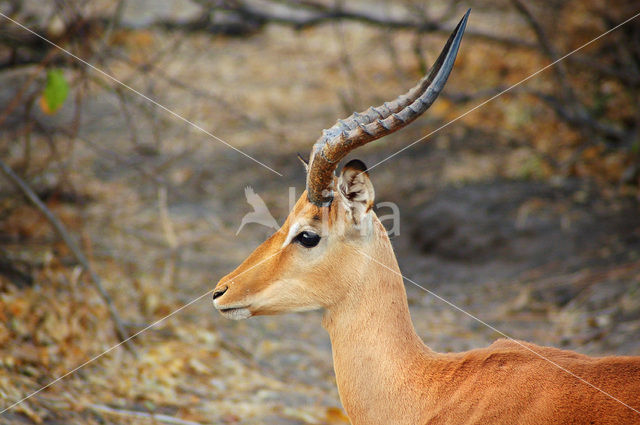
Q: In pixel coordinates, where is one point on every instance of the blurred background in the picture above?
(114, 212)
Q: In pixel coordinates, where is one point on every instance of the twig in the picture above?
(596, 66)
(581, 121)
(16, 101)
(75, 250)
(113, 23)
(560, 70)
(171, 267)
(127, 115)
(137, 414)
(153, 68)
(346, 64)
(128, 161)
(325, 14)
(575, 113)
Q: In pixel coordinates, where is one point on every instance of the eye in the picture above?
(307, 239)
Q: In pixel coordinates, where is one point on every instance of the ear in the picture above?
(356, 190)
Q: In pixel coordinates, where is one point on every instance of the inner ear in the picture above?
(356, 190)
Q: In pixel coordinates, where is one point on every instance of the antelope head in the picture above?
(309, 263)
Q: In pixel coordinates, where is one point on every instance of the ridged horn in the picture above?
(376, 122)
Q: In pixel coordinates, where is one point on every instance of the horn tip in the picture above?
(465, 18)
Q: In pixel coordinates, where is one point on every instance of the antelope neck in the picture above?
(376, 351)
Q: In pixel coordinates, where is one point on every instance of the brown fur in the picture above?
(385, 374)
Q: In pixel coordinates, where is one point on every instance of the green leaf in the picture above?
(55, 92)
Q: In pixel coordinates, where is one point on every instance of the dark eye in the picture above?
(307, 239)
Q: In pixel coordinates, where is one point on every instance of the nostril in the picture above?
(220, 292)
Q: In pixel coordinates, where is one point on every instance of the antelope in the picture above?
(332, 253)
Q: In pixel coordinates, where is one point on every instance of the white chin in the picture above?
(236, 313)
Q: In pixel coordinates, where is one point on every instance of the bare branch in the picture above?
(73, 247)
(569, 108)
(322, 14)
(560, 69)
(580, 120)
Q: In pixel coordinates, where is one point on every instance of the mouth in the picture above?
(235, 313)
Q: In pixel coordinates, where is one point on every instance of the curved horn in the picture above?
(376, 122)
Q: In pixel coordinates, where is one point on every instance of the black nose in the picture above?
(220, 292)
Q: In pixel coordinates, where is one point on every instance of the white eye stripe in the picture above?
(293, 232)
